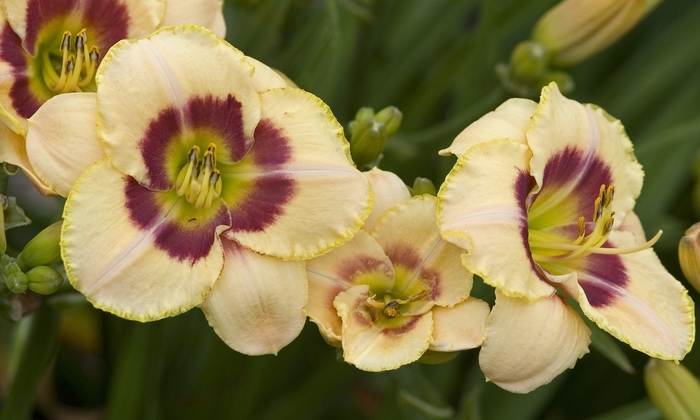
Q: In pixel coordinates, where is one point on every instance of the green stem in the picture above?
(36, 344)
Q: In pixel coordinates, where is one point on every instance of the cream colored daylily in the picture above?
(396, 290)
(541, 198)
(216, 186)
(50, 48)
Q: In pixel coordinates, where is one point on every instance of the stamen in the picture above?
(199, 181)
(72, 67)
(599, 250)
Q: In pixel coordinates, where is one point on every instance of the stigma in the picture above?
(546, 247)
(199, 181)
(78, 64)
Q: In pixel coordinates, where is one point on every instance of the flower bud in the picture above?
(574, 30)
(15, 279)
(673, 389)
(367, 143)
(391, 117)
(528, 61)
(423, 186)
(44, 280)
(43, 249)
(689, 255)
(563, 80)
(431, 357)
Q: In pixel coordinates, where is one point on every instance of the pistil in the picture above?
(551, 248)
(199, 181)
(76, 71)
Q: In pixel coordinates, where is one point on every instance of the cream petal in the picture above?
(265, 78)
(529, 344)
(125, 251)
(359, 261)
(207, 13)
(481, 208)
(320, 199)
(459, 328)
(61, 140)
(388, 189)
(256, 305)
(381, 345)
(151, 92)
(509, 121)
(575, 149)
(635, 299)
(422, 260)
(13, 151)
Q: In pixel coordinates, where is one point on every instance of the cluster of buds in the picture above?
(31, 269)
(567, 34)
(369, 133)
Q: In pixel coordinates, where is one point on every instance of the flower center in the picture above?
(199, 181)
(65, 72)
(547, 247)
(389, 306)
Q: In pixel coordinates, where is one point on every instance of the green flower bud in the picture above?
(15, 279)
(43, 249)
(689, 255)
(367, 143)
(391, 117)
(423, 186)
(529, 60)
(364, 115)
(673, 389)
(44, 280)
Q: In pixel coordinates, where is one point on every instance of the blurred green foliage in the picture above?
(434, 60)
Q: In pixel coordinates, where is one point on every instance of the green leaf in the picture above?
(34, 348)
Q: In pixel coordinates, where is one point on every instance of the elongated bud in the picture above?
(43, 249)
(391, 117)
(673, 389)
(574, 30)
(44, 280)
(15, 279)
(423, 186)
(689, 255)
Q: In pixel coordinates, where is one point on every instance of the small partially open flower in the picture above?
(396, 289)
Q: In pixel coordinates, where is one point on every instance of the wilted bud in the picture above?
(574, 30)
(689, 255)
(15, 279)
(367, 143)
(391, 117)
(673, 389)
(528, 61)
(423, 186)
(44, 280)
(43, 249)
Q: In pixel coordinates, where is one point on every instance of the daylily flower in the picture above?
(48, 48)
(541, 198)
(396, 289)
(216, 174)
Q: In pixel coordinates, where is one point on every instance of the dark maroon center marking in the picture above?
(523, 185)
(107, 21)
(221, 117)
(353, 267)
(403, 329)
(405, 255)
(272, 190)
(586, 173)
(610, 275)
(11, 52)
(185, 241)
